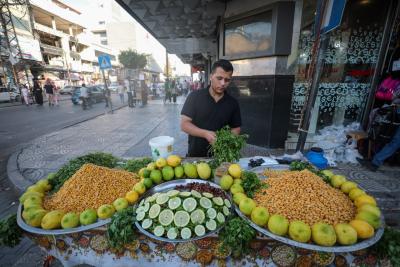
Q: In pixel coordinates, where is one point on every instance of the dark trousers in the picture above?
(130, 100)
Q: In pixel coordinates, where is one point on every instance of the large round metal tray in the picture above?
(169, 186)
(360, 245)
(41, 231)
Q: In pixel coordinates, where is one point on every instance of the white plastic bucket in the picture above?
(161, 146)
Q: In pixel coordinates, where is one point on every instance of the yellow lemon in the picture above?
(235, 171)
(355, 193)
(364, 229)
(364, 199)
(174, 160)
(132, 197)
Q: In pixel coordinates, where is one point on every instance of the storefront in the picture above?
(269, 44)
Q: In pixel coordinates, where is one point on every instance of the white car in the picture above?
(9, 95)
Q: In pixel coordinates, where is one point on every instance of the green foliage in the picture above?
(300, 165)
(121, 230)
(236, 235)
(131, 59)
(251, 183)
(69, 169)
(389, 246)
(10, 233)
(134, 165)
(227, 146)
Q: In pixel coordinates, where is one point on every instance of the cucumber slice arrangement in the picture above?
(182, 215)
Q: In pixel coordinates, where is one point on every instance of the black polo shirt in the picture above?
(210, 115)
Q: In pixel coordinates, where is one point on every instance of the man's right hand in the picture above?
(210, 136)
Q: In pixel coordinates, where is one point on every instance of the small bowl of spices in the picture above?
(283, 255)
(323, 258)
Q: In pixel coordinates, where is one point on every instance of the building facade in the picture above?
(270, 44)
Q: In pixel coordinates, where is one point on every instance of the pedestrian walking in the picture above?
(38, 92)
(84, 96)
(174, 91)
(25, 94)
(144, 89)
(121, 92)
(49, 88)
(55, 94)
(130, 95)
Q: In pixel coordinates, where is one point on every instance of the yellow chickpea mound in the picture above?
(302, 195)
(90, 187)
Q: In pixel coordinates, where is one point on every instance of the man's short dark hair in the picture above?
(226, 65)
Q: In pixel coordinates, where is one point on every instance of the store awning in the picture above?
(187, 28)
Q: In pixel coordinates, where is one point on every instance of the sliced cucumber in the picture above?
(166, 217)
(172, 193)
(186, 233)
(226, 211)
(162, 198)
(227, 203)
(218, 200)
(181, 218)
(199, 230)
(146, 206)
(147, 223)
(154, 211)
(159, 230)
(208, 195)
(205, 203)
(174, 203)
(211, 225)
(220, 217)
(185, 194)
(197, 216)
(172, 233)
(195, 193)
(141, 202)
(140, 216)
(211, 213)
(189, 204)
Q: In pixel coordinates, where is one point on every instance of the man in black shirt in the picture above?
(207, 110)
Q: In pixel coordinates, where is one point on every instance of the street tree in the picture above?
(131, 59)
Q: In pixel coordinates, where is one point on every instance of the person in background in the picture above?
(55, 93)
(38, 92)
(25, 94)
(49, 89)
(207, 110)
(130, 95)
(174, 90)
(84, 95)
(390, 148)
(121, 92)
(144, 89)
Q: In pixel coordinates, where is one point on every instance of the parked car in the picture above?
(96, 94)
(9, 95)
(68, 89)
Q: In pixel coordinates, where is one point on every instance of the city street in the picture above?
(21, 124)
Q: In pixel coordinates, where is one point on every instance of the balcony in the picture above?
(46, 29)
(75, 55)
(51, 50)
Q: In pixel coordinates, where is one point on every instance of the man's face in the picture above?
(220, 80)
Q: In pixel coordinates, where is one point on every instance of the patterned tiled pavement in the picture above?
(126, 134)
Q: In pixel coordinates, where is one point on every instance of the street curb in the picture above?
(15, 177)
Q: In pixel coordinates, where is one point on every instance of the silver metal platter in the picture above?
(358, 246)
(172, 185)
(41, 231)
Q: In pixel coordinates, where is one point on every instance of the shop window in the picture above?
(349, 64)
(250, 36)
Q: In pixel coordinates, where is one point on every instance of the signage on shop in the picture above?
(333, 15)
(104, 62)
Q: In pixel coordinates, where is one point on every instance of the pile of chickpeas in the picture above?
(90, 187)
(302, 195)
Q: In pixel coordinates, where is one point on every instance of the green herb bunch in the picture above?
(251, 183)
(389, 246)
(237, 235)
(300, 165)
(227, 146)
(121, 230)
(134, 165)
(10, 233)
(64, 173)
